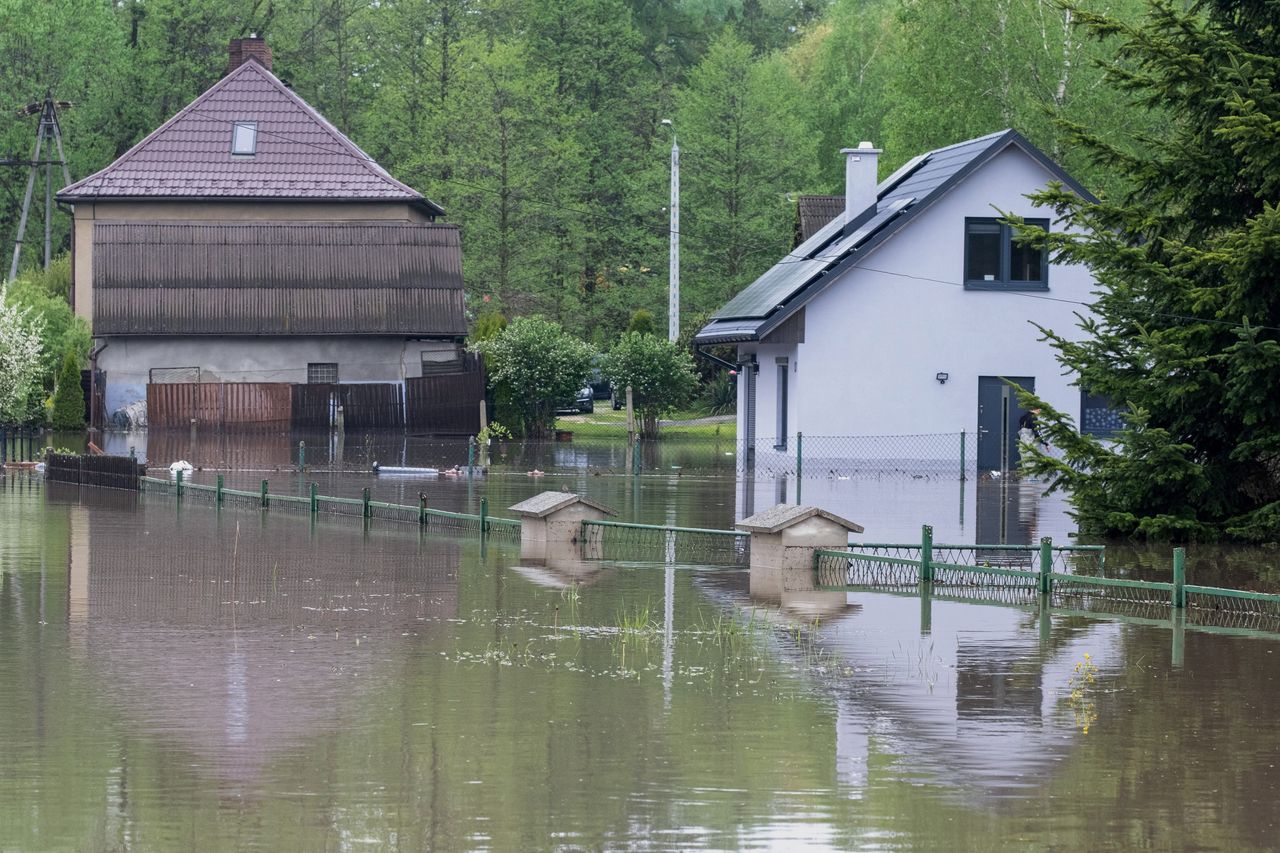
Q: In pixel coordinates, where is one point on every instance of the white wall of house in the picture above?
(875, 342)
(127, 361)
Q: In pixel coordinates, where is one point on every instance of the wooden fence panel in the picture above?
(372, 405)
(112, 472)
(262, 405)
(446, 404)
(314, 405)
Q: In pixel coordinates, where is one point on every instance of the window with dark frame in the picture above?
(780, 440)
(448, 360)
(322, 373)
(1098, 416)
(995, 260)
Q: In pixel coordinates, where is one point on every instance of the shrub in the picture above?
(661, 375)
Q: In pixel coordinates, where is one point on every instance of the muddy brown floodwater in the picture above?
(175, 678)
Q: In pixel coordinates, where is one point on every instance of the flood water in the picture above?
(175, 678)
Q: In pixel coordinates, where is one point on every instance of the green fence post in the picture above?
(178, 480)
(799, 465)
(217, 493)
(364, 496)
(315, 499)
(302, 456)
(471, 455)
(484, 516)
(422, 509)
(1046, 565)
(1179, 578)
(926, 553)
(964, 469)
(265, 500)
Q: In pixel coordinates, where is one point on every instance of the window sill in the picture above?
(1006, 285)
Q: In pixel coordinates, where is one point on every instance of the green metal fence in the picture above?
(1030, 571)
(313, 503)
(618, 540)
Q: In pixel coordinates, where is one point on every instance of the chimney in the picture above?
(240, 51)
(860, 179)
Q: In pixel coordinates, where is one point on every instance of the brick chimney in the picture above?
(861, 166)
(240, 51)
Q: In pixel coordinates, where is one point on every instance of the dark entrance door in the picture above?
(998, 414)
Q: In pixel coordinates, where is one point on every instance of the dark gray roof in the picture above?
(835, 247)
(299, 154)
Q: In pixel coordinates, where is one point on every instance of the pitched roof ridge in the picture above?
(142, 143)
(338, 143)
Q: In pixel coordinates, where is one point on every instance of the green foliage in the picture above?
(642, 322)
(488, 326)
(744, 147)
(43, 295)
(721, 395)
(537, 365)
(68, 396)
(20, 335)
(1185, 337)
(660, 373)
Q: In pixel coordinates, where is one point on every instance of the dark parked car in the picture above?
(584, 403)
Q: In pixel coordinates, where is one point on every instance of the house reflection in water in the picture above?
(233, 638)
(976, 703)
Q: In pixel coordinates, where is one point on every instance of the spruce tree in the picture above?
(68, 396)
(1184, 336)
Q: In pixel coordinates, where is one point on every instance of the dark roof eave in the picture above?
(420, 202)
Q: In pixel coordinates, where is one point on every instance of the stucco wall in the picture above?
(86, 213)
(126, 361)
(874, 342)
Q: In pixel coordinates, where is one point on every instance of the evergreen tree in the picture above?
(744, 146)
(68, 395)
(1185, 334)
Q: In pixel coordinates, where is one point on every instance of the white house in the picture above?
(905, 315)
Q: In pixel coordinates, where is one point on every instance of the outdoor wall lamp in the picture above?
(942, 378)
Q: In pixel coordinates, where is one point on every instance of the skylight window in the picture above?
(244, 138)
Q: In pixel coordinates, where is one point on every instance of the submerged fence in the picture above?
(315, 504)
(1070, 574)
(20, 444)
(619, 540)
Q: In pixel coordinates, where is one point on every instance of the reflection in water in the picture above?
(167, 684)
(236, 639)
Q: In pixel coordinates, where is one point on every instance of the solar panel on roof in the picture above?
(787, 277)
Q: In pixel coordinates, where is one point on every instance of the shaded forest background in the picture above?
(536, 123)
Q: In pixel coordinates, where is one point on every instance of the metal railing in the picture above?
(895, 567)
(20, 444)
(315, 504)
(620, 540)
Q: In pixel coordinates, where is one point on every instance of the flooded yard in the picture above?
(174, 677)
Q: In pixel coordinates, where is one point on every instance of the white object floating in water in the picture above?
(181, 465)
(402, 471)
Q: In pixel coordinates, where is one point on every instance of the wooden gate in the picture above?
(447, 403)
(254, 405)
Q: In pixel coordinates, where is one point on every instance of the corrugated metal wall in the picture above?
(269, 278)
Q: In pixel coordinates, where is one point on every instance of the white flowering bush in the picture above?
(20, 368)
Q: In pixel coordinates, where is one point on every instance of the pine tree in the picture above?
(1185, 333)
(68, 395)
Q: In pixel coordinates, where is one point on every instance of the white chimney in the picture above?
(860, 179)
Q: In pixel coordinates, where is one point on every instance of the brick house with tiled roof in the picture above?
(248, 240)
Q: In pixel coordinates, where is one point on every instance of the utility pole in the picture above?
(48, 137)
(673, 297)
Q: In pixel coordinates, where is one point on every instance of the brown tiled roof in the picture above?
(300, 155)
(814, 211)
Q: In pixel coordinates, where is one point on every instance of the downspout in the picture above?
(93, 385)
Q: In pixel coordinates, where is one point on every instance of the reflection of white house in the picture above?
(902, 315)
